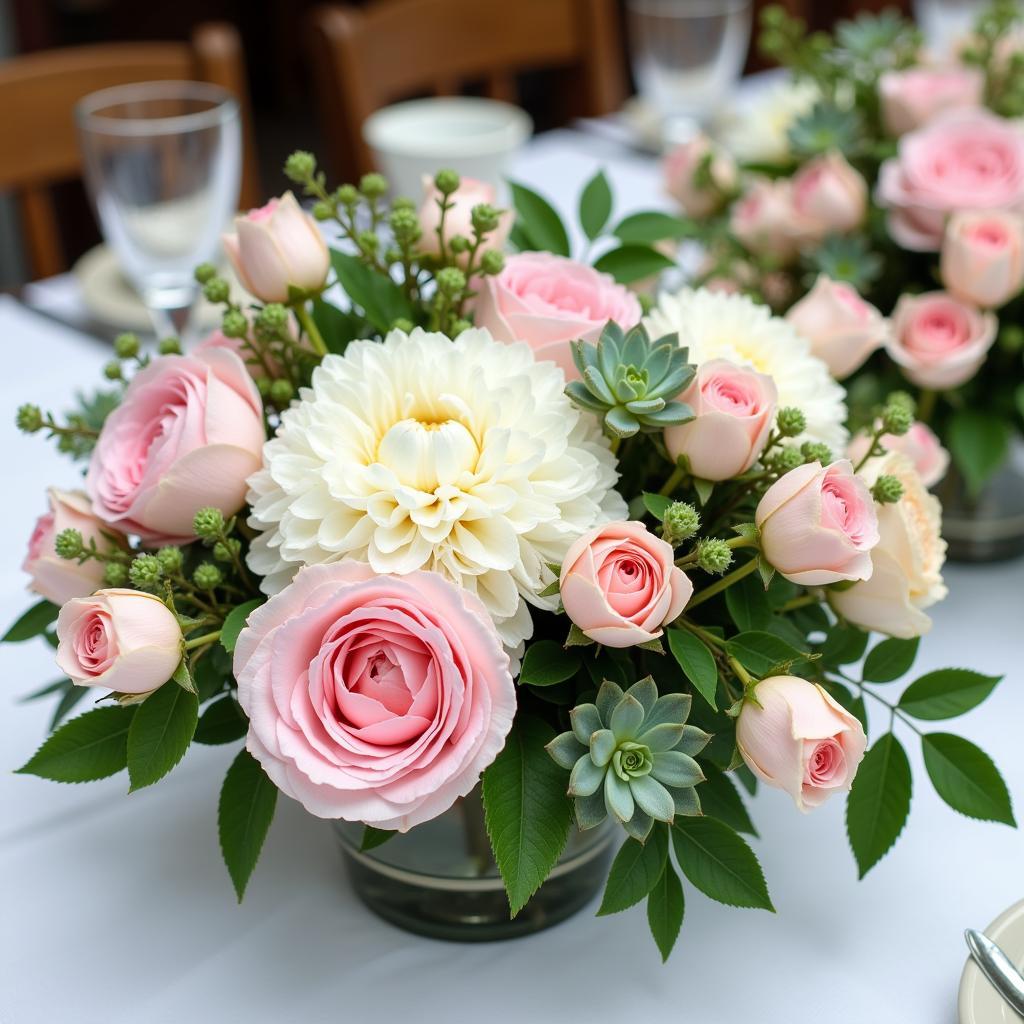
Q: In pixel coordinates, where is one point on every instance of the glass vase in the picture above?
(440, 879)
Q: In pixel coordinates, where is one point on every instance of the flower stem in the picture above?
(724, 583)
(926, 404)
(688, 560)
(799, 602)
(312, 332)
(202, 641)
(674, 480)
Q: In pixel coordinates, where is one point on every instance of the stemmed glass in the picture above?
(162, 165)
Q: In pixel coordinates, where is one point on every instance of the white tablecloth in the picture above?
(118, 909)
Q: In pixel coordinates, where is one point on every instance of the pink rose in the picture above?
(829, 196)
(983, 257)
(939, 342)
(764, 220)
(818, 524)
(962, 160)
(913, 97)
(275, 247)
(374, 698)
(699, 175)
(842, 328)
(620, 584)
(798, 739)
(123, 640)
(548, 301)
(458, 220)
(187, 434)
(60, 579)
(733, 408)
(919, 444)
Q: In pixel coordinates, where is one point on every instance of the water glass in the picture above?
(945, 24)
(163, 166)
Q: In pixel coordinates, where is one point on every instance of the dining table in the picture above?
(117, 908)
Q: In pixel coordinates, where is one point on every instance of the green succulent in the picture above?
(632, 381)
(632, 755)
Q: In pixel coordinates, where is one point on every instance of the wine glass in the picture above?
(162, 165)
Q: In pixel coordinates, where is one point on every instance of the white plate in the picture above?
(979, 1002)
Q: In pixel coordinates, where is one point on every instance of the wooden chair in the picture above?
(38, 93)
(366, 58)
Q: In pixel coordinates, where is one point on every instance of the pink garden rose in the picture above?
(829, 196)
(620, 584)
(842, 328)
(682, 170)
(983, 257)
(374, 698)
(911, 98)
(798, 739)
(60, 579)
(919, 444)
(818, 524)
(458, 220)
(765, 222)
(275, 247)
(122, 640)
(733, 408)
(938, 341)
(549, 301)
(187, 434)
(962, 160)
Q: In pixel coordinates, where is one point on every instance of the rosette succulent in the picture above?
(631, 381)
(631, 755)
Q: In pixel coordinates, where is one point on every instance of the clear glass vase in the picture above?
(440, 878)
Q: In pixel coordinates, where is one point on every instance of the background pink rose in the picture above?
(983, 257)
(734, 408)
(459, 219)
(187, 434)
(681, 169)
(548, 301)
(764, 220)
(829, 196)
(919, 444)
(620, 585)
(938, 341)
(913, 97)
(374, 698)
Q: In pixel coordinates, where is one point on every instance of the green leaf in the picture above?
(878, 804)
(526, 809)
(183, 678)
(222, 722)
(69, 698)
(89, 747)
(635, 871)
(719, 862)
(235, 621)
(595, 205)
(32, 623)
(632, 262)
(211, 672)
(337, 326)
(704, 489)
(651, 226)
(656, 504)
(843, 645)
(979, 442)
(665, 907)
(374, 293)
(244, 813)
(538, 221)
(160, 733)
(946, 693)
(889, 660)
(719, 798)
(547, 663)
(748, 604)
(696, 661)
(374, 837)
(763, 653)
(966, 778)
(58, 686)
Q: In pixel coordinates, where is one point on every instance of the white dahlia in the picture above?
(463, 457)
(719, 326)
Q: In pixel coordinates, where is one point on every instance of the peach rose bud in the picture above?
(818, 524)
(276, 247)
(699, 175)
(912, 97)
(919, 444)
(122, 640)
(829, 196)
(733, 409)
(620, 584)
(842, 328)
(458, 219)
(983, 257)
(795, 737)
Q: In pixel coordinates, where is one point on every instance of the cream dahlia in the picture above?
(715, 325)
(463, 457)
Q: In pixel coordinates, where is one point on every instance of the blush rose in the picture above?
(982, 259)
(919, 444)
(829, 196)
(699, 176)
(913, 97)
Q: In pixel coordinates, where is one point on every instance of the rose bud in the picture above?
(829, 196)
(842, 328)
(123, 640)
(818, 524)
(60, 579)
(764, 220)
(458, 219)
(277, 247)
(620, 584)
(983, 257)
(733, 410)
(795, 737)
(919, 444)
(682, 172)
(938, 341)
(910, 98)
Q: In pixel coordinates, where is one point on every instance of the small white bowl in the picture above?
(475, 137)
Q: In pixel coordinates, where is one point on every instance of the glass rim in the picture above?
(89, 109)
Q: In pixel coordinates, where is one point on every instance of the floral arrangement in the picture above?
(898, 188)
(472, 519)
